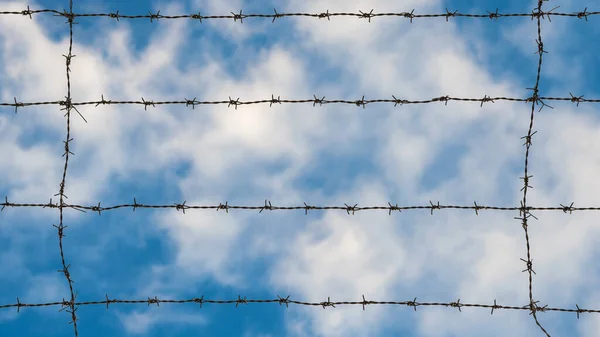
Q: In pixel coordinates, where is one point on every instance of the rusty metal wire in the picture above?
(524, 209)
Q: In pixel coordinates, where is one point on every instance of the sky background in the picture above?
(295, 153)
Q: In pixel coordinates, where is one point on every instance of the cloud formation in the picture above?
(411, 154)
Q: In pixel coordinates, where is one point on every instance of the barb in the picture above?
(181, 207)
(367, 16)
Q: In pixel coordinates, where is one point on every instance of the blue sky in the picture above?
(294, 153)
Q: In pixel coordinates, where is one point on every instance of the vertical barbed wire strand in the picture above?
(534, 100)
(68, 106)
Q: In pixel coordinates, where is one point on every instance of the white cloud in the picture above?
(234, 30)
(139, 322)
(47, 287)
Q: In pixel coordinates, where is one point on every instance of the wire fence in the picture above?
(524, 209)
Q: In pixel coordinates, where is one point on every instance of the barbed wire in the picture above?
(524, 210)
(268, 206)
(71, 309)
(525, 213)
(368, 14)
(281, 300)
(320, 101)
